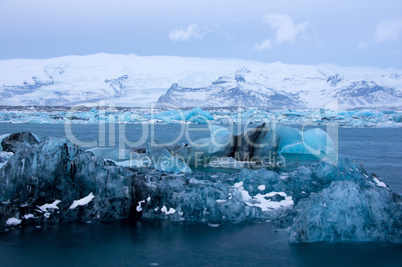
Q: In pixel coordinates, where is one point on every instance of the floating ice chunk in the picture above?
(164, 161)
(82, 202)
(221, 200)
(379, 183)
(13, 221)
(314, 141)
(53, 205)
(166, 211)
(195, 115)
(214, 225)
(261, 187)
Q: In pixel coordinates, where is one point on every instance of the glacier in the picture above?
(128, 80)
(316, 202)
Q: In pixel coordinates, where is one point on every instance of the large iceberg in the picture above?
(57, 169)
(319, 202)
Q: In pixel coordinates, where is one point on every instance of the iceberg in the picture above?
(314, 141)
(57, 169)
(347, 212)
(349, 118)
(195, 115)
(318, 202)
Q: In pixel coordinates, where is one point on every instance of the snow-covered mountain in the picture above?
(131, 80)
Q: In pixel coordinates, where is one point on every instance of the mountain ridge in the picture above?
(131, 80)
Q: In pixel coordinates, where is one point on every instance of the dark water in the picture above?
(148, 243)
(172, 244)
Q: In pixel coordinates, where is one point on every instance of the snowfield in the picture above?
(132, 81)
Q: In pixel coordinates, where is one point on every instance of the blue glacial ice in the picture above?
(195, 115)
(348, 118)
(313, 141)
(317, 202)
(346, 211)
(162, 160)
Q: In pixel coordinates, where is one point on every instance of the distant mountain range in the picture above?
(130, 80)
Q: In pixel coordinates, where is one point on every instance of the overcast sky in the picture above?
(348, 33)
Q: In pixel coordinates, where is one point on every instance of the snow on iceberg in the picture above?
(13, 221)
(45, 207)
(319, 202)
(82, 202)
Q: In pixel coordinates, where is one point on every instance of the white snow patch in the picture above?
(221, 200)
(148, 199)
(379, 183)
(53, 205)
(261, 187)
(139, 208)
(167, 212)
(263, 201)
(13, 221)
(28, 216)
(82, 201)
